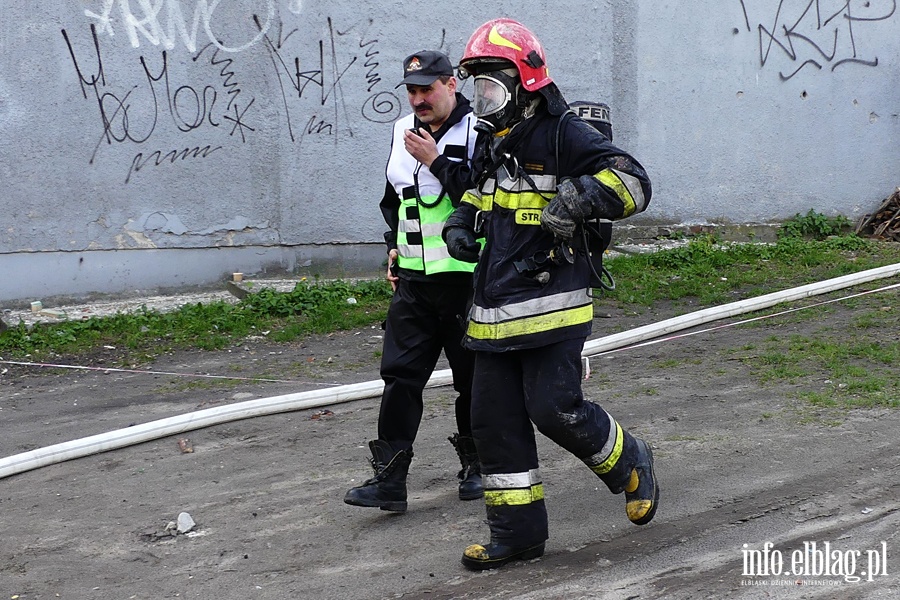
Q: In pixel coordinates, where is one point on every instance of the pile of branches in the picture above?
(884, 223)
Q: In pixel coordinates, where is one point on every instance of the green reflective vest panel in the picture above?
(424, 207)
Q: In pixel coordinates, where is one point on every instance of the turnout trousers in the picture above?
(423, 319)
(513, 393)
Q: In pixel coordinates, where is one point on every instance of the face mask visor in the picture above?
(492, 93)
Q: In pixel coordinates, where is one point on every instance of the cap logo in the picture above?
(414, 64)
(495, 38)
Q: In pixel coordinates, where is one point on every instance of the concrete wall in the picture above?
(166, 143)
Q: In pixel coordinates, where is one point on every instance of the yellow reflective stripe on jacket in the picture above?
(473, 197)
(530, 307)
(626, 187)
(602, 462)
(534, 315)
(514, 497)
(517, 200)
(529, 325)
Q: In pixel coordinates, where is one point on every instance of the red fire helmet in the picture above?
(506, 39)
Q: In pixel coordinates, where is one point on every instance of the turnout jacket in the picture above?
(516, 308)
(417, 200)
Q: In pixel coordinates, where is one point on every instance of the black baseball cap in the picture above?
(423, 68)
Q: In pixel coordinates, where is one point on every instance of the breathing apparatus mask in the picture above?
(499, 100)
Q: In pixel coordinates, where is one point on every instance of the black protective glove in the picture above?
(461, 244)
(557, 217)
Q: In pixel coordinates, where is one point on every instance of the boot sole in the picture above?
(484, 565)
(472, 496)
(392, 506)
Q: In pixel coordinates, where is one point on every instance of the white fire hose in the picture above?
(136, 434)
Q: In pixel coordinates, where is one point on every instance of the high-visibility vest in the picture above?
(424, 205)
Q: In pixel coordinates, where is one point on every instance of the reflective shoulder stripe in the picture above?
(626, 187)
(531, 325)
(602, 462)
(533, 306)
(489, 185)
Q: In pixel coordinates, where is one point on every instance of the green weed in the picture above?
(813, 225)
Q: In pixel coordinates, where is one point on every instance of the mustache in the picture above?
(424, 105)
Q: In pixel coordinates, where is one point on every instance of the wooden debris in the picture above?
(239, 289)
(884, 223)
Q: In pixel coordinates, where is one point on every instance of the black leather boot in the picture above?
(387, 489)
(633, 474)
(470, 487)
(479, 558)
(642, 491)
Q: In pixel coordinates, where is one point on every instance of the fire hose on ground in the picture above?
(136, 434)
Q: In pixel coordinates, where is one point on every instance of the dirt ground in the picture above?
(740, 462)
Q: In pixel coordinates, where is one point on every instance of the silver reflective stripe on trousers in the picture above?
(512, 481)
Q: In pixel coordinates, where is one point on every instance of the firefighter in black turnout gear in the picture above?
(541, 174)
(427, 172)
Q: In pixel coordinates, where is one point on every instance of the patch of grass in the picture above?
(819, 399)
(778, 365)
(308, 308)
(858, 372)
(709, 272)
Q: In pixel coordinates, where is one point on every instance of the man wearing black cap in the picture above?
(427, 173)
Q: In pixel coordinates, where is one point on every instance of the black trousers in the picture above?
(423, 319)
(513, 393)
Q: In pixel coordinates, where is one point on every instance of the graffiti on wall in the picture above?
(817, 34)
(323, 80)
(165, 22)
(212, 101)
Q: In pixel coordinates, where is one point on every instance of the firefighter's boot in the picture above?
(387, 489)
(470, 487)
(633, 474)
(479, 558)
